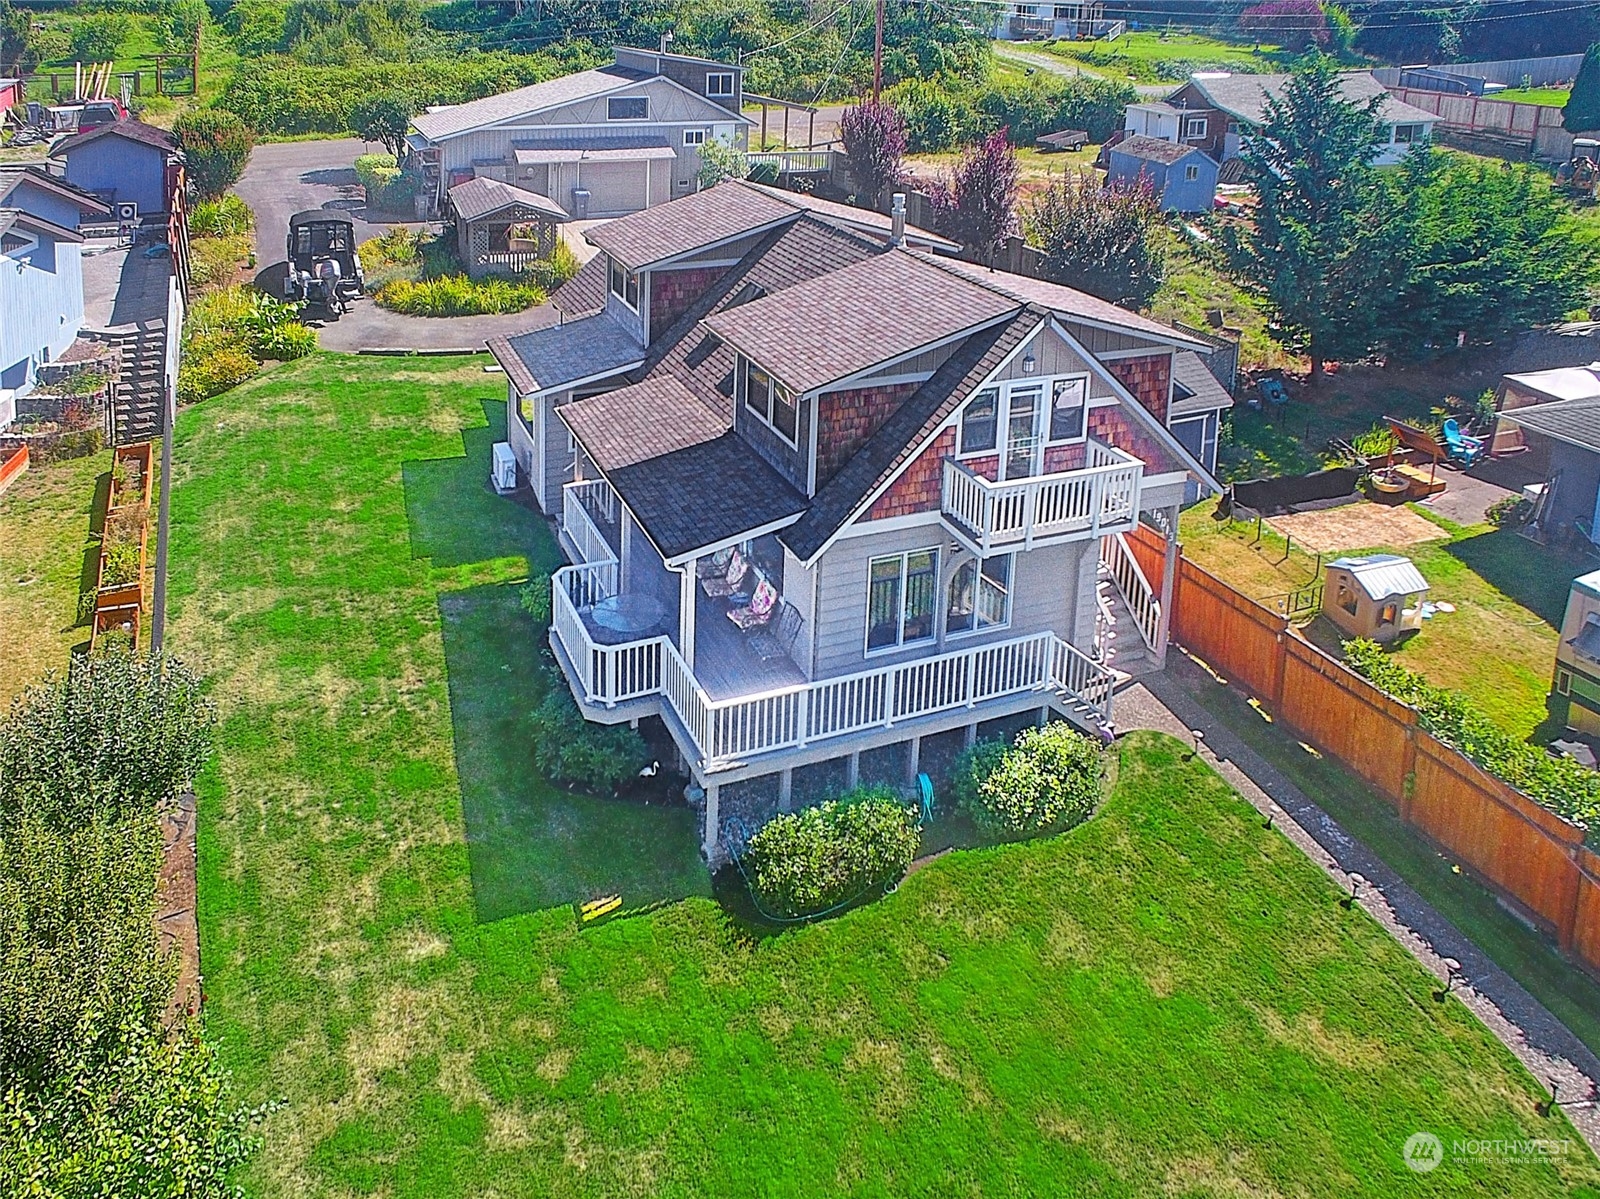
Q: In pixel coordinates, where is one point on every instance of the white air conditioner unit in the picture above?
(503, 471)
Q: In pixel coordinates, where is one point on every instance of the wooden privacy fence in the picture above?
(1525, 852)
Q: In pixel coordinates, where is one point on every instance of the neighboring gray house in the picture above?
(1216, 110)
(124, 163)
(835, 504)
(1183, 177)
(1555, 415)
(600, 143)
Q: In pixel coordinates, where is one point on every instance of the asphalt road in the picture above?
(284, 178)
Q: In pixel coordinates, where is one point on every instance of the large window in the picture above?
(980, 596)
(772, 402)
(628, 108)
(694, 137)
(901, 592)
(1405, 135)
(979, 422)
(719, 83)
(1068, 399)
(1194, 127)
(625, 285)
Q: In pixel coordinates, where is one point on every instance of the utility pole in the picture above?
(877, 58)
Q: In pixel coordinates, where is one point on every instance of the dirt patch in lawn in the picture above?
(1356, 526)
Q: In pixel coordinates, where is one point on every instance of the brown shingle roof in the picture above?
(1068, 301)
(633, 424)
(880, 223)
(479, 197)
(584, 293)
(682, 226)
(850, 319)
(13, 177)
(587, 348)
(129, 128)
(1154, 149)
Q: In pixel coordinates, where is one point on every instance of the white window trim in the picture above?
(610, 100)
(612, 265)
(694, 137)
(1011, 595)
(1189, 130)
(939, 600)
(721, 95)
(1191, 172)
(743, 389)
(1003, 411)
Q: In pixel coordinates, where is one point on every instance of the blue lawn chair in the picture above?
(1273, 391)
(1461, 448)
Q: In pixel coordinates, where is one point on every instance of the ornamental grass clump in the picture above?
(1559, 784)
(1047, 780)
(804, 863)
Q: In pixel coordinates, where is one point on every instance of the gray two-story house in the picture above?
(832, 500)
(600, 143)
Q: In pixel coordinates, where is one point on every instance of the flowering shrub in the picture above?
(1559, 784)
(1049, 778)
(802, 863)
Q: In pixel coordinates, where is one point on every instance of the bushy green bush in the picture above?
(224, 216)
(1559, 784)
(216, 145)
(1049, 778)
(803, 863)
(213, 260)
(574, 752)
(388, 189)
(66, 445)
(1508, 512)
(458, 295)
(229, 333)
(534, 598)
(942, 115)
(210, 370)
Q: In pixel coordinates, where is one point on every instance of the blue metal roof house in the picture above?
(1184, 177)
(122, 163)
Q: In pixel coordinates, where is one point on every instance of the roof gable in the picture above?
(128, 129)
(477, 198)
(1245, 96)
(12, 179)
(694, 222)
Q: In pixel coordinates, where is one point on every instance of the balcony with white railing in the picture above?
(1098, 499)
(723, 731)
(591, 520)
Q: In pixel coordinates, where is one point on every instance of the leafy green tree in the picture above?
(1108, 241)
(383, 117)
(122, 731)
(16, 28)
(99, 36)
(1488, 249)
(257, 26)
(181, 24)
(1582, 111)
(216, 146)
(721, 160)
(1316, 252)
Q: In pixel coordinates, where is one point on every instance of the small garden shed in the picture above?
(501, 229)
(1379, 596)
(1578, 655)
(1184, 178)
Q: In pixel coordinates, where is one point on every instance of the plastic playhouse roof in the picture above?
(1383, 575)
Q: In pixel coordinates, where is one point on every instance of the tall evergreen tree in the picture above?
(1316, 252)
(1582, 112)
(1107, 241)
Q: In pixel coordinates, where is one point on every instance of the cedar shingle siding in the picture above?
(672, 292)
(917, 489)
(849, 418)
(1149, 379)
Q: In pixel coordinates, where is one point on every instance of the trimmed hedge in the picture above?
(1048, 779)
(1559, 784)
(803, 863)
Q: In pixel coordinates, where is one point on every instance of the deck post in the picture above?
(786, 789)
(970, 735)
(709, 841)
(686, 605)
(853, 775)
(915, 766)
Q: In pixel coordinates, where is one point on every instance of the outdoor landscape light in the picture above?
(1355, 887)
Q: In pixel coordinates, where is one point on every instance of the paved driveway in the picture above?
(284, 178)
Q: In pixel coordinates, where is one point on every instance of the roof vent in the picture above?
(897, 226)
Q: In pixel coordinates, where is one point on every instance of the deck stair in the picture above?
(141, 388)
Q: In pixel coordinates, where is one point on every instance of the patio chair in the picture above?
(731, 580)
(714, 565)
(758, 613)
(776, 639)
(1461, 448)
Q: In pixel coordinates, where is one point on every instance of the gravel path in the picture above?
(1173, 702)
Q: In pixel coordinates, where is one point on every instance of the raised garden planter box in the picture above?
(12, 464)
(119, 605)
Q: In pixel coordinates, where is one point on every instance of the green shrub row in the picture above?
(804, 863)
(943, 116)
(229, 333)
(388, 189)
(574, 752)
(1047, 779)
(1559, 784)
(458, 295)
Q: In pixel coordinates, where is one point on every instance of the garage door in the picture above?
(615, 188)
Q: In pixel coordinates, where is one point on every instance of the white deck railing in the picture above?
(729, 730)
(1135, 588)
(1101, 498)
(586, 536)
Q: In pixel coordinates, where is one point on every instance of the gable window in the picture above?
(694, 137)
(772, 402)
(719, 83)
(1068, 402)
(1405, 135)
(625, 285)
(1194, 127)
(980, 595)
(979, 422)
(1191, 172)
(901, 590)
(628, 108)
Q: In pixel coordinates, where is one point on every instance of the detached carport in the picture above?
(486, 212)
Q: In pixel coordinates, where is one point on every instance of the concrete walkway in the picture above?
(1174, 702)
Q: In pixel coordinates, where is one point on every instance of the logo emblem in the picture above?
(1423, 1152)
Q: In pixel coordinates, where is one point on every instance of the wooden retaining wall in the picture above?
(1526, 853)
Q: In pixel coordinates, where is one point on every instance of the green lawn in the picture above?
(1155, 57)
(1168, 1000)
(1499, 645)
(1553, 97)
(49, 551)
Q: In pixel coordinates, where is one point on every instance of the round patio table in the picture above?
(629, 613)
